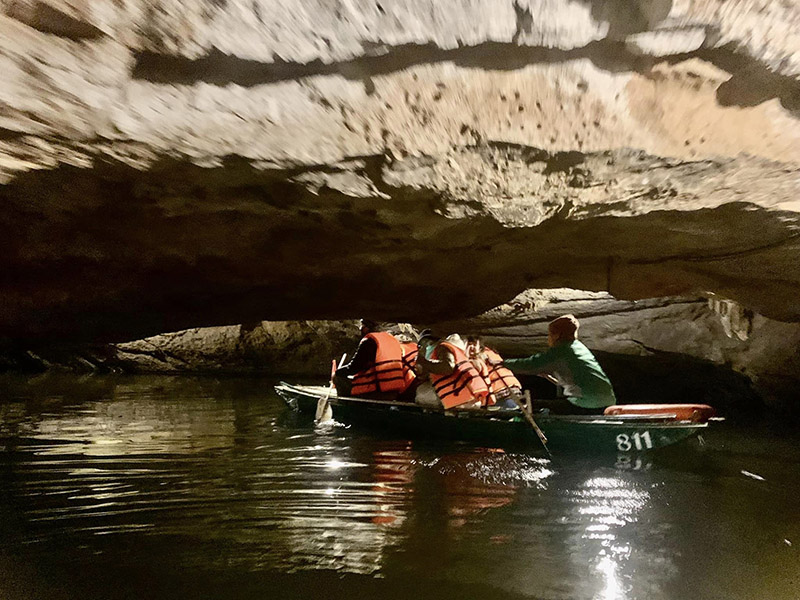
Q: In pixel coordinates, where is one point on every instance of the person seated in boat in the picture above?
(502, 383)
(456, 381)
(424, 394)
(571, 365)
(377, 369)
(410, 350)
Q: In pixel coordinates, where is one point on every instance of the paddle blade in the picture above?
(324, 411)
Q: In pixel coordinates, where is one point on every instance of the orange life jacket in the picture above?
(463, 385)
(499, 378)
(410, 351)
(386, 374)
(483, 369)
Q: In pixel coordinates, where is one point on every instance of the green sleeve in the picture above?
(533, 365)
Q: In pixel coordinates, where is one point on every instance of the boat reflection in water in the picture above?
(389, 504)
(569, 534)
(145, 466)
(578, 535)
(213, 485)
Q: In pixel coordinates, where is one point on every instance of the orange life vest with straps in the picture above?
(386, 374)
(463, 385)
(499, 378)
(410, 351)
(483, 369)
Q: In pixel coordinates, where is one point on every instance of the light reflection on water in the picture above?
(609, 504)
(122, 473)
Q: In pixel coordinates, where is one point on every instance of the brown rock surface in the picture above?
(298, 347)
(656, 350)
(170, 164)
(671, 344)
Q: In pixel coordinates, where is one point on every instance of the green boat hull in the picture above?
(500, 427)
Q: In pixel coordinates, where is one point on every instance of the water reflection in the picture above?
(130, 470)
(613, 589)
(205, 462)
(399, 496)
(607, 505)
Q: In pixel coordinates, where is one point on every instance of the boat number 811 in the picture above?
(636, 441)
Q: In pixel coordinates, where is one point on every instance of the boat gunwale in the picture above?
(666, 420)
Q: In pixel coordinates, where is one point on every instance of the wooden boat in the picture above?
(611, 433)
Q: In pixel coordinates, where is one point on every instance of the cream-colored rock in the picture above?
(659, 331)
(168, 164)
(276, 347)
(303, 347)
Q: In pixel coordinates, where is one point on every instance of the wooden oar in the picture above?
(324, 412)
(526, 410)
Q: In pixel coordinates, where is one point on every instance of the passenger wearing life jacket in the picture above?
(571, 365)
(502, 383)
(410, 350)
(377, 369)
(455, 379)
(424, 394)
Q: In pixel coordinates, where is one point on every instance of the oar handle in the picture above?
(526, 411)
(334, 365)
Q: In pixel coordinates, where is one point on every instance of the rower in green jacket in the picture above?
(571, 365)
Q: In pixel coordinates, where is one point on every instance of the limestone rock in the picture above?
(166, 164)
(661, 337)
(277, 347)
(655, 350)
(283, 348)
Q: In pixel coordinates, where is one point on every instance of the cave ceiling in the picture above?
(171, 164)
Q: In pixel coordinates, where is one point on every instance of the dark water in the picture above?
(200, 488)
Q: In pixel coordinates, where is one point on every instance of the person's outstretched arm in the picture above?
(536, 364)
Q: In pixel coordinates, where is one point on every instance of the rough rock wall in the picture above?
(168, 164)
(298, 347)
(289, 347)
(671, 342)
(267, 347)
(656, 350)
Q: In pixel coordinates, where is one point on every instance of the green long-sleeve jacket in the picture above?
(575, 368)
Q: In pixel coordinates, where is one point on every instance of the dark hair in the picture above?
(474, 338)
(427, 334)
(369, 324)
